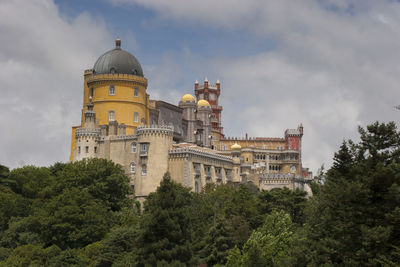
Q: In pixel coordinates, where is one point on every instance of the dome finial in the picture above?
(118, 43)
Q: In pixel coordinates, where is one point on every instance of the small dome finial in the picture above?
(118, 43)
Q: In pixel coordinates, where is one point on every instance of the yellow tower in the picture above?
(117, 87)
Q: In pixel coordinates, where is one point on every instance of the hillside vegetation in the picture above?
(84, 214)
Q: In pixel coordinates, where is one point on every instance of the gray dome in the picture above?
(117, 61)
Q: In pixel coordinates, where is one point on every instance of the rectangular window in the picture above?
(95, 149)
(87, 149)
(91, 92)
(136, 92)
(136, 117)
(79, 149)
(133, 167)
(111, 115)
(144, 169)
(133, 147)
(143, 147)
(111, 90)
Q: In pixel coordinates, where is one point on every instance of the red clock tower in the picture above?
(211, 93)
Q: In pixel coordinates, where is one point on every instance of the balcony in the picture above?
(143, 153)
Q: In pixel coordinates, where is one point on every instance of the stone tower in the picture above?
(204, 113)
(86, 137)
(117, 88)
(188, 104)
(211, 93)
(154, 142)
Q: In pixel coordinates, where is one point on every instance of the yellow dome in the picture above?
(203, 103)
(187, 97)
(236, 146)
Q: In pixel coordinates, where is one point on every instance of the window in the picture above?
(133, 146)
(111, 90)
(201, 96)
(144, 169)
(133, 167)
(136, 117)
(95, 149)
(213, 97)
(86, 149)
(111, 115)
(91, 92)
(79, 149)
(225, 147)
(136, 92)
(143, 147)
(196, 187)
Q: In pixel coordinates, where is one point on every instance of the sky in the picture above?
(332, 65)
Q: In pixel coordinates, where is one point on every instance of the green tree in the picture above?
(165, 234)
(270, 245)
(355, 219)
(103, 179)
(292, 202)
(217, 242)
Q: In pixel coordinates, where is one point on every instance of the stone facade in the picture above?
(150, 137)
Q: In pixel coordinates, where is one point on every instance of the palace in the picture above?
(150, 137)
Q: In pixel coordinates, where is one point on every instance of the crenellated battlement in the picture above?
(116, 77)
(80, 132)
(259, 139)
(163, 129)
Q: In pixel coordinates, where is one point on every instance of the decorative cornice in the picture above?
(87, 132)
(95, 78)
(198, 152)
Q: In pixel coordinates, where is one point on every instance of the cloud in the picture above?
(335, 65)
(42, 58)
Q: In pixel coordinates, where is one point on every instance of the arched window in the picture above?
(133, 167)
(133, 146)
(196, 187)
(111, 115)
(111, 90)
(144, 169)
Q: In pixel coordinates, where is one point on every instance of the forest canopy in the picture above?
(84, 214)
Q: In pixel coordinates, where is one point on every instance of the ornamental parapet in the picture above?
(256, 139)
(164, 129)
(284, 176)
(116, 77)
(87, 132)
(198, 152)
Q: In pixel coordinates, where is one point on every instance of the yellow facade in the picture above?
(127, 98)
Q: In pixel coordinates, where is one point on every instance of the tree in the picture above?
(292, 202)
(166, 230)
(103, 179)
(217, 242)
(355, 219)
(270, 245)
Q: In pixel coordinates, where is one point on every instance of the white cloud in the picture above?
(42, 59)
(335, 66)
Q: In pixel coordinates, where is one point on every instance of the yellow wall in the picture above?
(123, 103)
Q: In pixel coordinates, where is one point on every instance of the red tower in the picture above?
(211, 93)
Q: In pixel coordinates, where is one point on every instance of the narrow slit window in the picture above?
(111, 90)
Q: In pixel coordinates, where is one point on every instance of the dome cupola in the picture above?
(117, 61)
(203, 103)
(187, 98)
